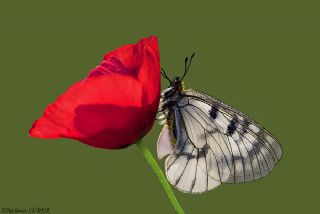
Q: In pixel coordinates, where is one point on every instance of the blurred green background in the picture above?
(261, 57)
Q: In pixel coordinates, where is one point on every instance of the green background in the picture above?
(261, 57)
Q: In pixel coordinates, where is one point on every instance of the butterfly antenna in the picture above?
(186, 67)
(163, 73)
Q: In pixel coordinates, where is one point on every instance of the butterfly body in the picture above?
(210, 142)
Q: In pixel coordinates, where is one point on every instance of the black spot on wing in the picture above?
(203, 152)
(214, 112)
(191, 156)
(245, 125)
(237, 157)
(252, 152)
(232, 127)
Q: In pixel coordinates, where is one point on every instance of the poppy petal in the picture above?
(114, 106)
(98, 111)
(141, 61)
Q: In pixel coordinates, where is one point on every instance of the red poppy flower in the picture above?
(114, 106)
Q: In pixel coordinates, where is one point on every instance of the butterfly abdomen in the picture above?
(172, 127)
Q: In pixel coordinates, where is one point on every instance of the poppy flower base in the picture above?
(166, 186)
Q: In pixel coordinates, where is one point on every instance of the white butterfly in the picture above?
(210, 142)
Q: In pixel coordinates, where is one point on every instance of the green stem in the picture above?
(166, 186)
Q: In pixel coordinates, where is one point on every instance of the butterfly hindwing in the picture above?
(216, 143)
(195, 167)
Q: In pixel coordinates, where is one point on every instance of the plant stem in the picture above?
(166, 186)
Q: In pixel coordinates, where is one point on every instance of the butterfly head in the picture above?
(177, 84)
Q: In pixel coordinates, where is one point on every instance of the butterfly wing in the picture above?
(217, 144)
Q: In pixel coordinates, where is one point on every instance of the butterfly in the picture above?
(209, 142)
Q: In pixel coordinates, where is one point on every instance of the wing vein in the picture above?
(211, 136)
(214, 158)
(188, 159)
(195, 175)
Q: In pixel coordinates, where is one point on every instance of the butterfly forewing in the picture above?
(216, 143)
